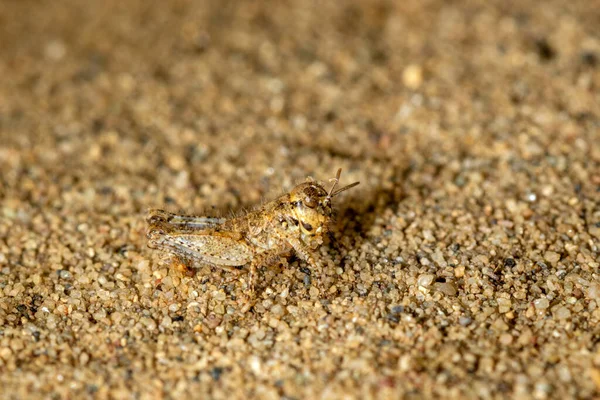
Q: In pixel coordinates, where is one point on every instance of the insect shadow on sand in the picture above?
(358, 213)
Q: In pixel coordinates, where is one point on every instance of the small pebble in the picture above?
(562, 313)
(504, 305)
(446, 287)
(412, 76)
(541, 303)
(593, 291)
(552, 257)
(425, 280)
(506, 339)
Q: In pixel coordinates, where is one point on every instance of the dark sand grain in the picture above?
(465, 265)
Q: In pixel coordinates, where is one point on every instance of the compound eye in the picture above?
(310, 202)
(307, 226)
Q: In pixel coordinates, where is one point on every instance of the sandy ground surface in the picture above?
(466, 264)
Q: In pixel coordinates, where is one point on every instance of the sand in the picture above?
(465, 265)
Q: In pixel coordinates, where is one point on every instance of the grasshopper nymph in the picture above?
(295, 221)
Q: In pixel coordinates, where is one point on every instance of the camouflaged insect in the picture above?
(296, 221)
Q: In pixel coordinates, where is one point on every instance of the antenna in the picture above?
(336, 180)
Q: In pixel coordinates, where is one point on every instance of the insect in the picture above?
(296, 221)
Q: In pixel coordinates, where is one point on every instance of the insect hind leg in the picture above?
(258, 261)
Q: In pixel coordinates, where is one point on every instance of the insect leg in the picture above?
(249, 298)
(306, 254)
(257, 261)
